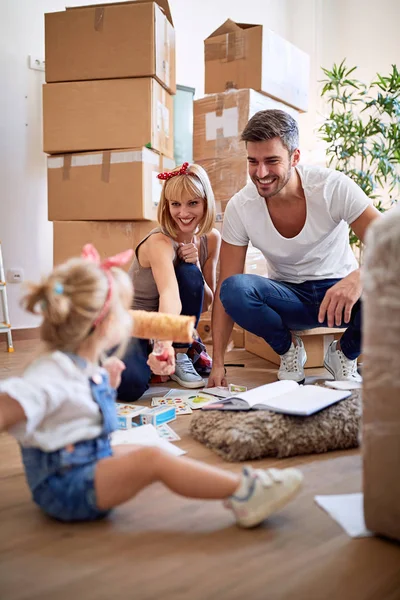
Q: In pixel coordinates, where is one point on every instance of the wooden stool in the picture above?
(316, 342)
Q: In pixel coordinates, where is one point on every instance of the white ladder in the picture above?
(5, 326)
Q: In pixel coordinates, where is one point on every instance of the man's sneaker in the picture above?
(341, 367)
(262, 493)
(293, 361)
(185, 373)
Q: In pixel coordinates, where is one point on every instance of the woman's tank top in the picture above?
(146, 296)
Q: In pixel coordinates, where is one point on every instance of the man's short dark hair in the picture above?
(268, 124)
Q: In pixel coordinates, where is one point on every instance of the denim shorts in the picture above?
(66, 487)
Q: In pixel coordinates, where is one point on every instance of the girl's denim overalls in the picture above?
(62, 482)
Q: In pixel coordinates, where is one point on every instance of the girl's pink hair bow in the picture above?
(89, 252)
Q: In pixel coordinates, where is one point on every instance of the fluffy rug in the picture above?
(238, 436)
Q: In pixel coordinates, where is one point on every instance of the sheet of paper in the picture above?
(155, 391)
(343, 385)
(348, 511)
(219, 392)
(306, 400)
(144, 435)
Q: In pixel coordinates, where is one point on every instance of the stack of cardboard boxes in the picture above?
(247, 69)
(108, 122)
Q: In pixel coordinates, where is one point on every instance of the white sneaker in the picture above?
(341, 367)
(185, 373)
(262, 493)
(293, 361)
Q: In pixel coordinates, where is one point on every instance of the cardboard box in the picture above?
(157, 416)
(219, 119)
(381, 458)
(118, 185)
(239, 55)
(107, 114)
(204, 330)
(111, 41)
(227, 176)
(126, 414)
(381, 380)
(255, 262)
(109, 238)
(316, 342)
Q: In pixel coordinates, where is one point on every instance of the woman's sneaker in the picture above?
(293, 361)
(341, 367)
(185, 373)
(262, 493)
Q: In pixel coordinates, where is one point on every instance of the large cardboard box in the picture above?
(239, 55)
(109, 238)
(227, 176)
(84, 116)
(119, 185)
(316, 342)
(219, 119)
(204, 329)
(381, 455)
(381, 377)
(129, 39)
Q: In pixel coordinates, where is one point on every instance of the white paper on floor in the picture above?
(348, 511)
(155, 391)
(144, 435)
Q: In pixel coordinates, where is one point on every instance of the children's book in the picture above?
(193, 399)
(286, 397)
(181, 407)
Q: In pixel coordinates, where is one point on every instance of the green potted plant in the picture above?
(362, 132)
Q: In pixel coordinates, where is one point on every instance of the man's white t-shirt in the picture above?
(321, 250)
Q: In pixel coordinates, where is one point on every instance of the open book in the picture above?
(286, 397)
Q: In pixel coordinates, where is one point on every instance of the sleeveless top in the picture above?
(145, 291)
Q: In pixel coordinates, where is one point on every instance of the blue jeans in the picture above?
(272, 309)
(62, 482)
(135, 379)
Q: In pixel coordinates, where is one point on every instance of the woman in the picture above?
(174, 271)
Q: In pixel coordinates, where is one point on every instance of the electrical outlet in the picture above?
(15, 275)
(36, 62)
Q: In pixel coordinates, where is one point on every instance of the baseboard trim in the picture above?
(30, 333)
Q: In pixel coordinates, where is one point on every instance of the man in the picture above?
(298, 217)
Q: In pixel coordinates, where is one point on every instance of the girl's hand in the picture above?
(162, 360)
(114, 367)
(189, 253)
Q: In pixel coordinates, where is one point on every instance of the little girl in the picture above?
(62, 410)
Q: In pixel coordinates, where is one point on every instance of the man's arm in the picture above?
(341, 297)
(232, 259)
(360, 225)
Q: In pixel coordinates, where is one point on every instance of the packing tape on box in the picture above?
(231, 48)
(223, 124)
(105, 166)
(219, 104)
(87, 160)
(67, 162)
(99, 18)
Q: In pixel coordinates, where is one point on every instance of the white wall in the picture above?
(362, 31)
(327, 29)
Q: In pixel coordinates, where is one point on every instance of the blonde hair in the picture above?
(193, 183)
(71, 298)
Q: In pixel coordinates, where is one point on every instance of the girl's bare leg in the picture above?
(133, 468)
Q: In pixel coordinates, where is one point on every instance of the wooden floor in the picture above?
(160, 546)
